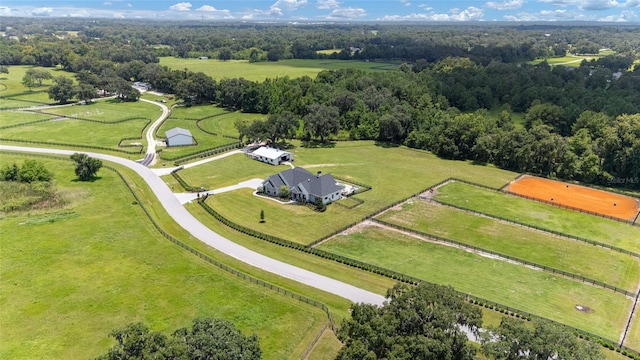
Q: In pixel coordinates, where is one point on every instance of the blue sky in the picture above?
(333, 10)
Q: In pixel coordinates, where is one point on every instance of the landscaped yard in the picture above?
(70, 276)
(549, 217)
(516, 286)
(613, 268)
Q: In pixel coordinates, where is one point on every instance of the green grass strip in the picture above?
(570, 258)
(535, 214)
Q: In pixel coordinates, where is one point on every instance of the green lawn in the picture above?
(196, 112)
(541, 215)
(575, 257)
(109, 110)
(406, 173)
(225, 124)
(260, 71)
(228, 171)
(516, 286)
(633, 337)
(8, 118)
(13, 80)
(326, 348)
(77, 132)
(71, 276)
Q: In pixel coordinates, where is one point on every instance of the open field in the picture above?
(224, 124)
(196, 112)
(541, 215)
(575, 257)
(260, 71)
(109, 110)
(575, 196)
(51, 309)
(572, 60)
(8, 118)
(15, 95)
(407, 172)
(77, 132)
(533, 291)
(633, 337)
(228, 171)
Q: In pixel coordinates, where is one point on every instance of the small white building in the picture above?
(271, 155)
(179, 136)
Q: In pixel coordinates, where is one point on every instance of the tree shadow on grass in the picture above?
(387, 144)
(314, 144)
(93, 179)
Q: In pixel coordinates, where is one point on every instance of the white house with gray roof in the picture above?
(179, 136)
(304, 186)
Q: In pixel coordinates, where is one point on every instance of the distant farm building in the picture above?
(142, 85)
(271, 155)
(179, 136)
(303, 186)
(203, 58)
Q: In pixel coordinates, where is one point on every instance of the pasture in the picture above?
(572, 60)
(71, 276)
(259, 71)
(516, 286)
(13, 94)
(406, 172)
(541, 215)
(575, 257)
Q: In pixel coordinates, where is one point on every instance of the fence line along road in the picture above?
(187, 221)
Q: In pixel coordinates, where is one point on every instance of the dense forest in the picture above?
(456, 92)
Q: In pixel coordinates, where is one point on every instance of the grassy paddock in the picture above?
(77, 132)
(533, 291)
(224, 124)
(13, 80)
(260, 71)
(406, 173)
(109, 110)
(545, 216)
(612, 268)
(633, 337)
(205, 141)
(9, 118)
(50, 309)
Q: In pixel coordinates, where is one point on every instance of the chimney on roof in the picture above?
(319, 174)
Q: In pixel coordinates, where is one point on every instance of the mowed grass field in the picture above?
(260, 71)
(541, 215)
(71, 276)
(10, 118)
(575, 257)
(15, 95)
(513, 285)
(405, 173)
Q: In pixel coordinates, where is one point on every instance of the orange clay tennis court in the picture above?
(597, 201)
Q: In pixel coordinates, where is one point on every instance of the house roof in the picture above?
(177, 131)
(320, 185)
(269, 152)
(298, 179)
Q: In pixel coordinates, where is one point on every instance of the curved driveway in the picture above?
(172, 205)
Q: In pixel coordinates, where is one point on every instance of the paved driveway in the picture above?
(177, 211)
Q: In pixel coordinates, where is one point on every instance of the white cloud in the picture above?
(505, 5)
(215, 13)
(426, 7)
(183, 6)
(471, 13)
(43, 11)
(5, 11)
(80, 14)
(590, 5)
(129, 5)
(624, 16)
(328, 4)
(405, 2)
(348, 13)
(597, 4)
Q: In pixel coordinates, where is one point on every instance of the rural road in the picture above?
(175, 209)
(151, 142)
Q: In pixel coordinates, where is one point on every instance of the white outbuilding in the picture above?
(179, 136)
(271, 155)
